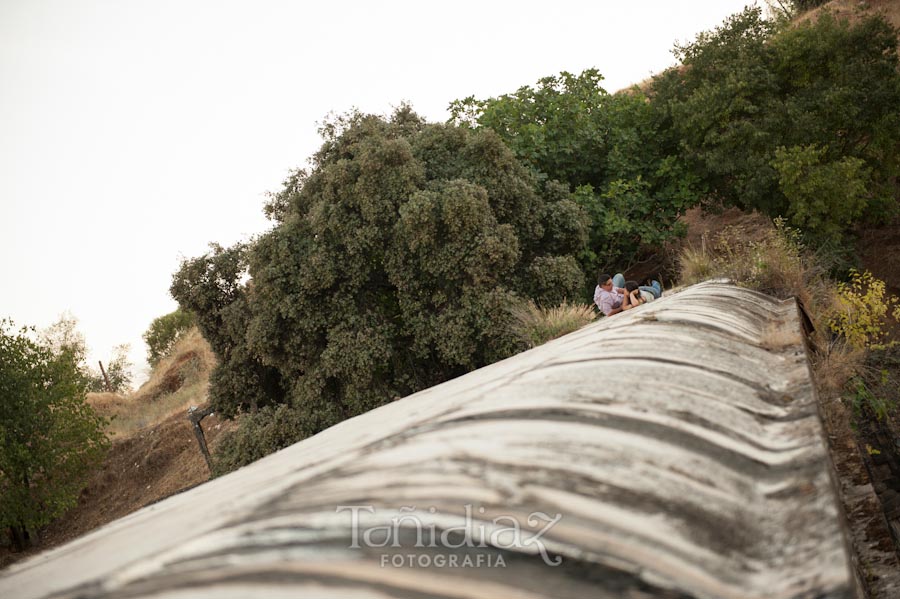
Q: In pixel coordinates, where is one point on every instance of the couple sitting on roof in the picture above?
(615, 294)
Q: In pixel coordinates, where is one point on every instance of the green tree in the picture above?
(211, 288)
(562, 127)
(50, 439)
(753, 86)
(605, 147)
(164, 332)
(823, 197)
(63, 336)
(394, 264)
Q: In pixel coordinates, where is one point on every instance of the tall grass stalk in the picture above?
(536, 325)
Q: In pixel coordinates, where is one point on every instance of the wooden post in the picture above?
(195, 415)
(105, 378)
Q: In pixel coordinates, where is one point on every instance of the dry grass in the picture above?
(834, 365)
(190, 349)
(854, 10)
(107, 404)
(778, 337)
(770, 258)
(179, 380)
(766, 257)
(536, 325)
(696, 265)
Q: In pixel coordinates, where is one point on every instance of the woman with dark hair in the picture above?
(635, 296)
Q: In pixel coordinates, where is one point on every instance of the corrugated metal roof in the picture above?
(674, 450)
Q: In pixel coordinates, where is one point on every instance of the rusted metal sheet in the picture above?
(674, 450)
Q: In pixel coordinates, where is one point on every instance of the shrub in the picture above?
(697, 264)
(862, 310)
(270, 429)
(535, 325)
(776, 263)
(793, 121)
(211, 288)
(824, 198)
(391, 267)
(875, 390)
(164, 331)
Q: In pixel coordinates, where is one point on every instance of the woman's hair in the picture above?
(631, 286)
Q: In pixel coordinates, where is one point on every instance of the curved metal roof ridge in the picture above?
(672, 450)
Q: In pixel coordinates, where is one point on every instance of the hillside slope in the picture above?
(154, 453)
(853, 9)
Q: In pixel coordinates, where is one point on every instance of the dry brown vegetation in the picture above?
(536, 325)
(754, 252)
(853, 10)
(750, 250)
(154, 453)
(179, 380)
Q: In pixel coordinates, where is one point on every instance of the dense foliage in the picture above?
(604, 147)
(796, 121)
(261, 433)
(393, 265)
(212, 288)
(164, 331)
(50, 439)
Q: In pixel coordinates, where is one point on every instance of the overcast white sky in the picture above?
(133, 133)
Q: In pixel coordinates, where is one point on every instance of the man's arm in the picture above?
(606, 304)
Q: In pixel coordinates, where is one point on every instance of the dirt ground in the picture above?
(154, 453)
(151, 465)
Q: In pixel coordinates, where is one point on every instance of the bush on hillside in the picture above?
(392, 266)
(211, 287)
(570, 131)
(773, 261)
(268, 430)
(536, 325)
(874, 391)
(798, 121)
(862, 310)
(822, 196)
(164, 332)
